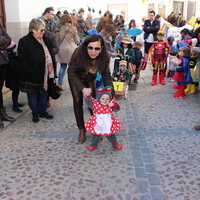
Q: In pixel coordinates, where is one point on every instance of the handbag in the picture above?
(54, 90)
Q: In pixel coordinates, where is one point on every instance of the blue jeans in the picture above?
(63, 67)
(38, 102)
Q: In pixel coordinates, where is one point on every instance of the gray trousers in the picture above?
(96, 138)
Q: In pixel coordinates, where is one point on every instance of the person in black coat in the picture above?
(151, 27)
(138, 59)
(12, 77)
(37, 68)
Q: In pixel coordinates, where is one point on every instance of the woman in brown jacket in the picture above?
(89, 58)
(67, 39)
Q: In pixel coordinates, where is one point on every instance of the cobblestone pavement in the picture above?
(160, 159)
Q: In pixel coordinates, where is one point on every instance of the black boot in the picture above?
(4, 116)
(1, 123)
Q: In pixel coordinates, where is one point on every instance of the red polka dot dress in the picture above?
(103, 121)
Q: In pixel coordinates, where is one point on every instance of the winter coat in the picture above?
(138, 56)
(5, 41)
(68, 43)
(31, 58)
(12, 77)
(154, 28)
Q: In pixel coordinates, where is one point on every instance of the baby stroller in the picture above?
(121, 78)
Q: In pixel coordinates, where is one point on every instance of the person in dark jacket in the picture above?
(151, 27)
(5, 41)
(12, 78)
(138, 59)
(82, 73)
(37, 64)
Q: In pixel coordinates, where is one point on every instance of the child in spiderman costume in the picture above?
(182, 75)
(158, 56)
(103, 121)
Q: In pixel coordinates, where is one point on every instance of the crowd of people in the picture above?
(84, 51)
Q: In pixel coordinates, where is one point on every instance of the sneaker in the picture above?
(118, 147)
(17, 110)
(91, 148)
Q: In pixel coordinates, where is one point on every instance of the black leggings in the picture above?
(78, 101)
(3, 71)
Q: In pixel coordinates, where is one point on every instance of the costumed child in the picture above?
(12, 77)
(121, 73)
(138, 60)
(125, 52)
(158, 56)
(103, 121)
(191, 88)
(182, 74)
(172, 62)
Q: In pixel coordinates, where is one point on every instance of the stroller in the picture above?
(121, 78)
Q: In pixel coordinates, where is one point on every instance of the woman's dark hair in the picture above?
(129, 45)
(131, 22)
(84, 60)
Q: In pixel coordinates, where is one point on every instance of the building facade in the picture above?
(16, 14)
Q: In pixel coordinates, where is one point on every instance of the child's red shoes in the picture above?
(118, 147)
(91, 148)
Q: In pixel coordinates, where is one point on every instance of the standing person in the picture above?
(88, 59)
(133, 31)
(88, 22)
(48, 18)
(103, 121)
(68, 39)
(151, 27)
(159, 52)
(182, 74)
(37, 62)
(81, 26)
(5, 41)
(12, 78)
(138, 60)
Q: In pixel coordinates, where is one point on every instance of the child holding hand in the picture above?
(103, 121)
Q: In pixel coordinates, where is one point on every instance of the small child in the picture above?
(158, 54)
(138, 60)
(182, 74)
(121, 73)
(172, 62)
(103, 121)
(191, 88)
(12, 77)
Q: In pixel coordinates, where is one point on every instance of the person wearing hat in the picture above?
(158, 56)
(12, 77)
(103, 121)
(125, 52)
(121, 73)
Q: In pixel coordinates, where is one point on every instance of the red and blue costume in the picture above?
(182, 76)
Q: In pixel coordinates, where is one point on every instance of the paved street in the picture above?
(160, 159)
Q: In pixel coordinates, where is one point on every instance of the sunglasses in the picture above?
(95, 48)
(42, 30)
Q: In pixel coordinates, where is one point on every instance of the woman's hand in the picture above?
(86, 91)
